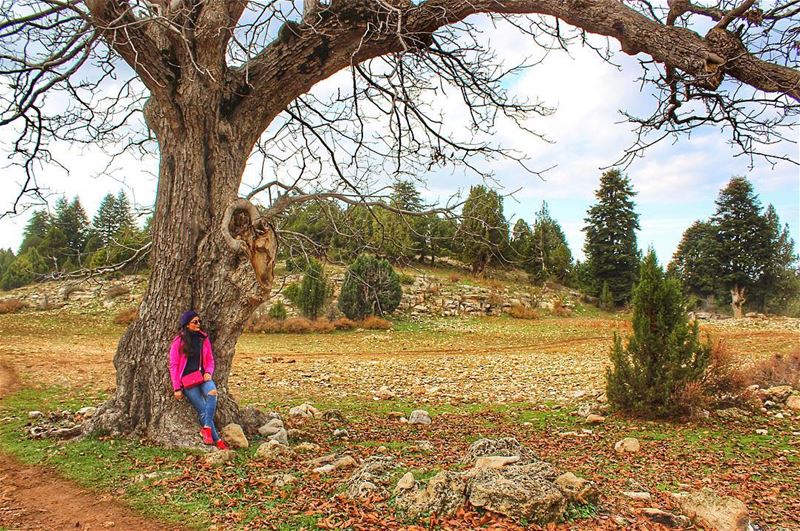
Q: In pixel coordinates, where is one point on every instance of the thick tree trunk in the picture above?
(737, 301)
(192, 268)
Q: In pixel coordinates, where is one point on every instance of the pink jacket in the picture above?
(177, 360)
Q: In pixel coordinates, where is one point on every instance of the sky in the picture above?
(676, 182)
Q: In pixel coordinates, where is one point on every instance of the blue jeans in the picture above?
(205, 404)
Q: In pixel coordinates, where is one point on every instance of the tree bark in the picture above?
(737, 301)
(192, 268)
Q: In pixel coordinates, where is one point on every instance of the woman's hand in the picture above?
(178, 394)
(206, 377)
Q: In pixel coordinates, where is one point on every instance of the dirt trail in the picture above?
(35, 498)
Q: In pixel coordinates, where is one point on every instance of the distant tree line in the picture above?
(65, 241)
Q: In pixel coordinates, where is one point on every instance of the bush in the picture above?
(12, 306)
(455, 279)
(606, 298)
(559, 310)
(518, 311)
(277, 311)
(375, 323)
(343, 323)
(371, 287)
(780, 369)
(407, 279)
(313, 291)
(292, 292)
(664, 353)
(126, 316)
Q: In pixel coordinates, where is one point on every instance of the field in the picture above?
(478, 377)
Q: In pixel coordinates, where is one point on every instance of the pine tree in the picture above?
(606, 298)
(611, 249)
(313, 291)
(664, 352)
(695, 260)
(74, 224)
(551, 258)
(520, 243)
(27, 267)
(35, 230)
(370, 287)
(483, 234)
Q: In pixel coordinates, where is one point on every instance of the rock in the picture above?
(322, 460)
(395, 415)
(507, 446)
(35, 414)
(518, 492)
(220, 457)
(406, 482)
(627, 445)
(711, 511)
(496, 461)
(595, 419)
(305, 411)
(762, 432)
(423, 446)
(324, 469)
(443, 495)
(384, 393)
(251, 418)
(234, 435)
(575, 489)
(297, 436)
(281, 480)
(66, 433)
(281, 437)
(373, 476)
(86, 412)
(584, 410)
(268, 430)
(307, 447)
(793, 402)
(419, 416)
(639, 496)
(275, 423)
(732, 413)
(777, 394)
(334, 416)
(666, 518)
(275, 451)
(340, 433)
(344, 462)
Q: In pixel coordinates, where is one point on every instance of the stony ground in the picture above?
(487, 377)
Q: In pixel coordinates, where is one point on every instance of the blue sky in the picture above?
(677, 183)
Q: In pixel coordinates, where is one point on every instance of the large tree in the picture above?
(483, 233)
(611, 250)
(209, 78)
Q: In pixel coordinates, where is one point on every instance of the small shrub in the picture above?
(375, 323)
(407, 279)
(495, 299)
(292, 292)
(495, 285)
(606, 298)
(371, 287)
(314, 290)
(343, 323)
(322, 326)
(518, 311)
(723, 374)
(559, 310)
(126, 316)
(297, 325)
(455, 279)
(12, 305)
(693, 396)
(117, 291)
(277, 311)
(780, 369)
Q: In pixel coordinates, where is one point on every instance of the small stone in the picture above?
(762, 432)
(665, 518)
(627, 445)
(234, 435)
(578, 490)
(495, 461)
(779, 415)
(423, 446)
(35, 414)
(219, 457)
(281, 480)
(275, 422)
(305, 410)
(381, 450)
(281, 436)
(307, 447)
(340, 433)
(108, 524)
(419, 416)
(584, 410)
(344, 462)
(298, 436)
(395, 414)
(793, 403)
(639, 496)
(275, 451)
(86, 412)
(267, 430)
(595, 419)
(384, 393)
(779, 393)
(620, 520)
(324, 469)
(406, 482)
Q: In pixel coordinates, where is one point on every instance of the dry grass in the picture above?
(518, 311)
(780, 369)
(12, 305)
(455, 279)
(117, 291)
(343, 323)
(126, 316)
(293, 325)
(559, 310)
(495, 285)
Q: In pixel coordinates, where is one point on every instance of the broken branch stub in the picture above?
(245, 230)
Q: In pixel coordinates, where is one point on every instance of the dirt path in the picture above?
(34, 497)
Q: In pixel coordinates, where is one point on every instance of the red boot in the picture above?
(207, 437)
(222, 445)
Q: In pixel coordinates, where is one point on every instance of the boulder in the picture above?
(275, 451)
(522, 491)
(251, 418)
(665, 518)
(507, 446)
(305, 411)
(714, 512)
(372, 476)
(595, 419)
(443, 495)
(419, 416)
(234, 435)
(280, 436)
(778, 394)
(577, 490)
(219, 457)
(496, 461)
(793, 402)
(86, 412)
(627, 445)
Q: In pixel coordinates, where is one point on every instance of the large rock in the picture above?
(443, 495)
(419, 416)
(508, 447)
(793, 402)
(777, 394)
(578, 490)
(711, 511)
(628, 445)
(372, 476)
(234, 435)
(525, 491)
(275, 451)
(280, 436)
(250, 418)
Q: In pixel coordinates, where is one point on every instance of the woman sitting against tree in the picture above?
(191, 365)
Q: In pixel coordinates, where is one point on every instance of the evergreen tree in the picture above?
(35, 230)
(695, 260)
(551, 258)
(104, 224)
(483, 234)
(520, 243)
(314, 290)
(74, 224)
(317, 221)
(611, 249)
(744, 245)
(27, 267)
(779, 283)
(664, 352)
(370, 287)
(6, 259)
(606, 298)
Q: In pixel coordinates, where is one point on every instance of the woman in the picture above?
(191, 365)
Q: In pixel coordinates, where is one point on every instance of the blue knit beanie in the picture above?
(186, 317)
